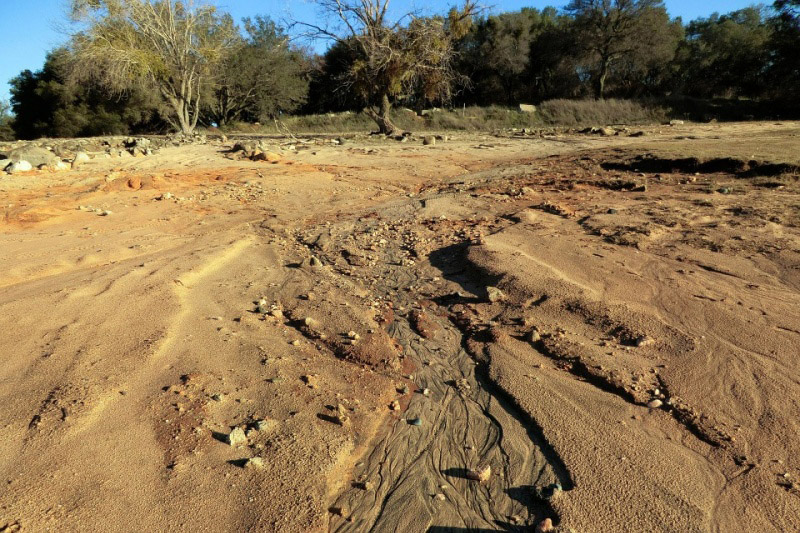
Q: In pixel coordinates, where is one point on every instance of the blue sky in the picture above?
(29, 28)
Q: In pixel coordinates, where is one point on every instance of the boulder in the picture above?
(34, 155)
(527, 108)
(429, 140)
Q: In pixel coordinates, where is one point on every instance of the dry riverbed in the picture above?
(604, 330)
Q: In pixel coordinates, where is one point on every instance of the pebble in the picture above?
(395, 405)
(426, 392)
(237, 437)
(654, 404)
(481, 473)
(265, 425)
(295, 343)
(494, 294)
(545, 526)
(441, 497)
(644, 340)
(534, 336)
(255, 462)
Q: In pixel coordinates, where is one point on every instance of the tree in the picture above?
(47, 103)
(726, 55)
(170, 46)
(260, 77)
(6, 131)
(411, 55)
(784, 48)
(516, 57)
(609, 30)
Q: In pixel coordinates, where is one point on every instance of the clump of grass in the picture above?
(576, 113)
(553, 113)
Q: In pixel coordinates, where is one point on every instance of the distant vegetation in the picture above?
(136, 66)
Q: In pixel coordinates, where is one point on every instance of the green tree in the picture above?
(170, 46)
(520, 56)
(396, 58)
(726, 55)
(613, 30)
(47, 103)
(329, 75)
(785, 51)
(260, 77)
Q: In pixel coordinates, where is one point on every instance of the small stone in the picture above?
(353, 335)
(426, 392)
(265, 425)
(80, 158)
(429, 140)
(551, 491)
(277, 313)
(237, 437)
(403, 390)
(106, 213)
(494, 294)
(314, 261)
(644, 340)
(441, 497)
(395, 405)
(342, 415)
(545, 526)
(311, 380)
(255, 462)
(481, 473)
(655, 404)
(534, 336)
(295, 342)
(310, 322)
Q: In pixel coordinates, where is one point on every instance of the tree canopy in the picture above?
(148, 65)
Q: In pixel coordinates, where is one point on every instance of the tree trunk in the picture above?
(601, 79)
(381, 118)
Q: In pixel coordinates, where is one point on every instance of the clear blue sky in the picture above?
(29, 28)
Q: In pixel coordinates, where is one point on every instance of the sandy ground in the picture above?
(611, 323)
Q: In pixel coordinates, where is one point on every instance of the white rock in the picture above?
(80, 157)
(19, 166)
(237, 437)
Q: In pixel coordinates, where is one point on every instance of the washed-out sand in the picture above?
(612, 324)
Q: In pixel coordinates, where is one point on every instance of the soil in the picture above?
(610, 323)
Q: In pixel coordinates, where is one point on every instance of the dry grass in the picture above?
(553, 113)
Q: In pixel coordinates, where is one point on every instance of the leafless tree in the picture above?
(394, 58)
(170, 45)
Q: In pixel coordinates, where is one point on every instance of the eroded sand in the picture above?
(130, 344)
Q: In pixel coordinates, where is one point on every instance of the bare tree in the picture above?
(611, 29)
(394, 58)
(170, 45)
